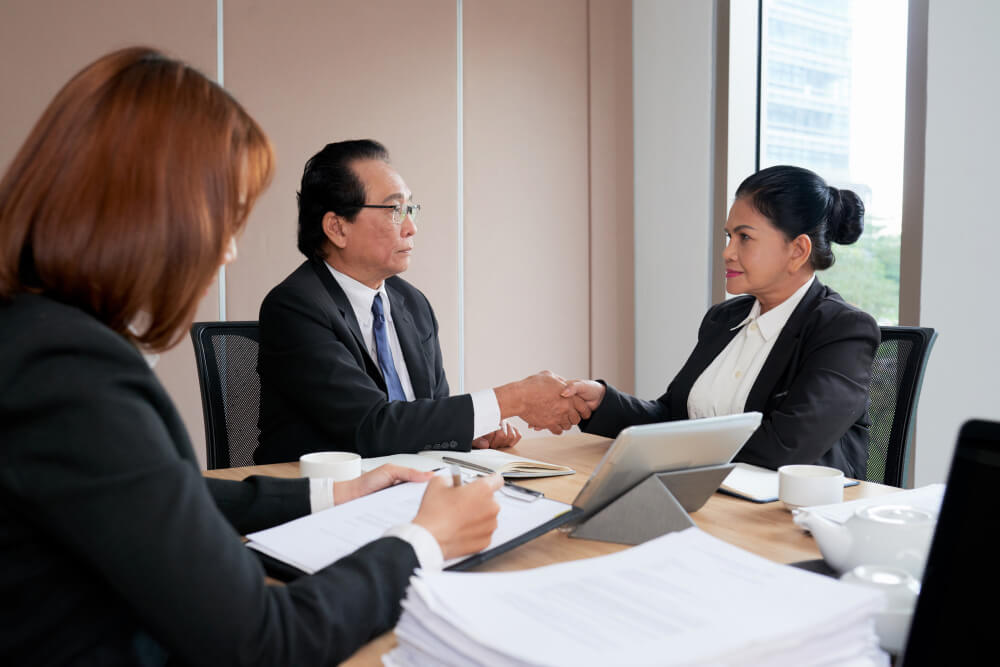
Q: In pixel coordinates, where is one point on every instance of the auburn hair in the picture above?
(125, 195)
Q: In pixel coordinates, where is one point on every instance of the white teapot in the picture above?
(890, 535)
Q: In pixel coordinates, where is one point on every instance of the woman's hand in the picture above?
(586, 395)
(462, 519)
(376, 480)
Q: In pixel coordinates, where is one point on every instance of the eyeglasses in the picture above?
(399, 211)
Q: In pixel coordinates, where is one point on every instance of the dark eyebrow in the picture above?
(738, 228)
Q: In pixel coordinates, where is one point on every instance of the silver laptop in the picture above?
(640, 451)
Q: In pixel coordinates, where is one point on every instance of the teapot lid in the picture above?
(896, 514)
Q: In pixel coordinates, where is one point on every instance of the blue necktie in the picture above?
(385, 353)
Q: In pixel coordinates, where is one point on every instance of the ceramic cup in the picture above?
(901, 591)
(806, 485)
(338, 466)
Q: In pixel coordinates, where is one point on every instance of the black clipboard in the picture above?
(282, 571)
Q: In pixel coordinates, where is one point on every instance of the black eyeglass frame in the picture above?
(411, 211)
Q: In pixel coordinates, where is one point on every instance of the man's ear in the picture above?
(801, 249)
(336, 229)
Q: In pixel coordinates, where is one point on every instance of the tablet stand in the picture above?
(656, 506)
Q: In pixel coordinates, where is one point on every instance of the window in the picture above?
(832, 99)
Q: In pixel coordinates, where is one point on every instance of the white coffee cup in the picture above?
(901, 592)
(806, 485)
(338, 466)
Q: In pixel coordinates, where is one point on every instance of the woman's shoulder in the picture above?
(37, 327)
(831, 311)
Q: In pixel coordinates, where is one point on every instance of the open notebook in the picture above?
(490, 460)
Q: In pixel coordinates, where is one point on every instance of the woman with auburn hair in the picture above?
(789, 347)
(114, 218)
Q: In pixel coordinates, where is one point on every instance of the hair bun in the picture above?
(846, 219)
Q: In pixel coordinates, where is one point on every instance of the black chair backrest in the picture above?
(226, 354)
(897, 374)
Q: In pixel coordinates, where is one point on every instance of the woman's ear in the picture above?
(801, 249)
(336, 229)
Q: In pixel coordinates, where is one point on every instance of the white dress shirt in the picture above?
(723, 387)
(485, 409)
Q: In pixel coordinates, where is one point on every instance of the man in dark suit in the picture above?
(349, 351)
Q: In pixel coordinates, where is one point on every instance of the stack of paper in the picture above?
(682, 599)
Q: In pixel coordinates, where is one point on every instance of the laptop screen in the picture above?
(955, 620)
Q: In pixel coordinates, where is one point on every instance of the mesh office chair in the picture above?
(897, 375)
(226, 355)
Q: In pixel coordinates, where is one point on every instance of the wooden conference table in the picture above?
(764, 529)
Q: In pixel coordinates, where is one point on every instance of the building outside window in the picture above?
(832, 98)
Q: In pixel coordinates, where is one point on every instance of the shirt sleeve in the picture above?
(486, 413)
(321, 492)
(426, 547)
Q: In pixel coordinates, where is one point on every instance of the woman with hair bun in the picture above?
(789, 347)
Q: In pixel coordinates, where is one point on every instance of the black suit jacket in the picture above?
(114, 549)
(812, 389)
(321, 390)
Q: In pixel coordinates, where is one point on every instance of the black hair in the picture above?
(797, 201)
(329, 184)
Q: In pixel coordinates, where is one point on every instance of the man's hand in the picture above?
(376, 480)
(462, 520)
(538, 400)
(505, 436)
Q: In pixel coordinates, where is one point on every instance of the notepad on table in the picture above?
(508, 465)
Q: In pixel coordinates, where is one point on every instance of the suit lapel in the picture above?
(786, 346)
(711, 344)
(343, 306)
(417, 364)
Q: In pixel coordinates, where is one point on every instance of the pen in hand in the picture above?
(456, 476)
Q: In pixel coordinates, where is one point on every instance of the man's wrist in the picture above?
(509, 399)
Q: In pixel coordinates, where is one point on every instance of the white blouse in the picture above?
(723, 387)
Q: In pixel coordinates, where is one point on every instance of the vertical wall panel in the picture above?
(44, 42)
(314, 71)
(526, 189)
(957, 293)
(612, 285)
(674, 108)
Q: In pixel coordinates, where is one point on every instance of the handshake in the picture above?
(546, 401)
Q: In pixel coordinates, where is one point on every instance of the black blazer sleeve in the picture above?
(258, 502)
(99, 484)
(320, 390)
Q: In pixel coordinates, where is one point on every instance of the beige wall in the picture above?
(44, 42)
(543, 245)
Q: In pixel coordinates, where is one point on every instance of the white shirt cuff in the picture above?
(427, 548)
(485, 413)
(320, 494)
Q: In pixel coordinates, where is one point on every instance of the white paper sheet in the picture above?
(314, 541)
